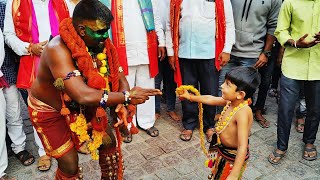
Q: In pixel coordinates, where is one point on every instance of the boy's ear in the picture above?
(241, 95)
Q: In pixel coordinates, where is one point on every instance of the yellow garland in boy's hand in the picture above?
(180, 90)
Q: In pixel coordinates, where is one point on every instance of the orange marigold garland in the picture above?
(94, 80)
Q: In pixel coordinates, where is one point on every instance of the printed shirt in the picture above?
(297, 18)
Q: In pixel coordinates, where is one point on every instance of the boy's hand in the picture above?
(185, 95)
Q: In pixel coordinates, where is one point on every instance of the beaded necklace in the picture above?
(223, 123)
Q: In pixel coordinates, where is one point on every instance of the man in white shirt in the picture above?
(134, 30)
(198, 51)
(16, 37)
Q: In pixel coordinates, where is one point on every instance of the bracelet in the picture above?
(73, 73)
(104, 99)
(127, 98)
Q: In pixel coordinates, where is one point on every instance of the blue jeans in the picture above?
(289, 94)
(234, 62)
(166, 75)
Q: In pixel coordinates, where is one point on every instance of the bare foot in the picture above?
(173, 115)
(158, 116)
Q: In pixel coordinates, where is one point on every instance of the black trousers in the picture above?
(203, 75)
(289, 94)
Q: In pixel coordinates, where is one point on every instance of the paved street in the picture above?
(167, 157)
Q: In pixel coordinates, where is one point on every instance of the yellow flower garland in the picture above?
(180, 90)
(80, 126)
(223, 123)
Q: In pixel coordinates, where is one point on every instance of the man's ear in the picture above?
(81, 30)
(241, 95)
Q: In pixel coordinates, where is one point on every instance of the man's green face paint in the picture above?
(97, 35)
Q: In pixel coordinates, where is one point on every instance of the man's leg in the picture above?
(146, 111)
(15, 125)
(168, 79)
(3, 147)
(208, 78)
(157, 81)
(68, 166)
(313, 118)
(289, 93)
(266, 73)
(189, 75)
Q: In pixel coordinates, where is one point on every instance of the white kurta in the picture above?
(137, 56)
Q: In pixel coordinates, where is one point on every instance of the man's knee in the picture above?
(68, 163)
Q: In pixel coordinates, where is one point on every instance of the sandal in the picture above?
(300, 125)
(153, 132)
(25, 157)
(273, 160)
(44, 163)
(308, 151)
(186, 135)
(264, 123)
(209, 134)
(127, 139)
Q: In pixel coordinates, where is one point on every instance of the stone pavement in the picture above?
(167, 157)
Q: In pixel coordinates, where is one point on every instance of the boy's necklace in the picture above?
(223, 123)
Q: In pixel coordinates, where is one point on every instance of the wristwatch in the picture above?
(267, 53)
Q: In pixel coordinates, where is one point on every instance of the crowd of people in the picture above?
(72, 59)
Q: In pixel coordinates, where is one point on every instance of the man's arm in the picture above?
(169, 44)
(242, 120)
(2, 52)
(284, 21)
(230, 34)
(270, 38)
(60, 64)
(11, 39)
(123, 83)
(159, 30)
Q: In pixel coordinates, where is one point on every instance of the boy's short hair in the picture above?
(246, 79)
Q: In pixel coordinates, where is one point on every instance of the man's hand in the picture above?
(161, 53)
(37, 49)
(122, 115)
(224, 58)
(302, 43)
(263, 60)
(172, 63)
(139, 95)
(317, 36)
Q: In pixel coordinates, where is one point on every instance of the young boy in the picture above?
(229, 147)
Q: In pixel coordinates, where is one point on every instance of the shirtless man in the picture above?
(69, 83)
(229, 146)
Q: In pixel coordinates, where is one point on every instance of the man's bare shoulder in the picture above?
(57, 50)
